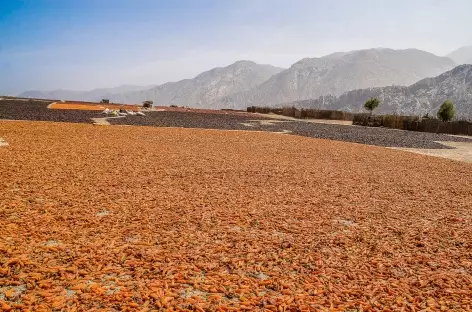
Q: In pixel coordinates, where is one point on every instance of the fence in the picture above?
(326, 114)
(411, 123)
(264, 110)
(414, 123)
(303, 113)
(388, 121)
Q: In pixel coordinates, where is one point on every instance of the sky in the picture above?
(87, 44)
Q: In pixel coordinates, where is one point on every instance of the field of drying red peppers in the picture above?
(126, 218)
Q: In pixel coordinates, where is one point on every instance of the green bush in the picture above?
(371, 104)
(446, 111)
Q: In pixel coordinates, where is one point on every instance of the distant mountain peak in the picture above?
(244, 62)
(73, 95)
(340, 72)
(245, 83)
(464, 48)
(420, 98)
(462, 55)
(460, 68)
(205, 88)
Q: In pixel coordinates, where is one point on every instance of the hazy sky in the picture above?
(85, 44)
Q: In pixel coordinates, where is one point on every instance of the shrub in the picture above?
(371, 104)
(446, 111)
(147, 104)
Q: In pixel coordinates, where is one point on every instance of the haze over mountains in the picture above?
(200, 91)
(331, 77)
(92, 95)
(462, 55)
(423, 97)
(205, 88)
(340, 72)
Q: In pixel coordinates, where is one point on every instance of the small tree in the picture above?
(371, 104)
(148, 104)
(446, 111)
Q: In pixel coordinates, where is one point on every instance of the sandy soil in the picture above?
(144, 218)
(461, 151)
(202, 110)
(322, 121)
(91, 106)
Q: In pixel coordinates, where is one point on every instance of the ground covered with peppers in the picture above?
(124, 218)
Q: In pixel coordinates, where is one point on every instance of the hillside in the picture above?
(94, 95)
(205, 88)
(420, 98)
(246, 83)
(340, 72)
(462, 55)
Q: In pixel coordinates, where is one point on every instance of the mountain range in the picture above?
(205, 88)
(246, 83)
(462, 55)
(423, 97)
(200, 91)
(92, 95)
(336, 73)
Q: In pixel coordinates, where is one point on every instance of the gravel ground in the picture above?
(190, 120)
(37, 110)
(179, 117)
(106, 218)
(373, 136)
(356, 134)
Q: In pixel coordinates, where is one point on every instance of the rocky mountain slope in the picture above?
(205, 88)
(462, 55)
(423, 97)
(340, 72)
(92, 95)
